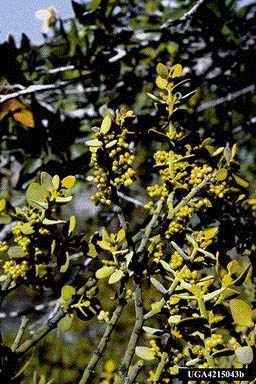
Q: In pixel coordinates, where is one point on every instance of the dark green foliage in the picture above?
(155, 105)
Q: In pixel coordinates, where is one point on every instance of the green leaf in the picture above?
(68, 182)
(36, 193)
(2, 204)
(5, 219)
(221, 174)
(233, 267)
(145, 353)
(67, 292)
(120, 236)
(240, 181)
(46, 181)
(104, 272)
(27, 229)
(66, 199)
(16, 252)
(56, 181)
(244, 354)
(162, 70)
(92, 251)
(52, 222)
(115, 277)
(66, 323)
(106, 125)
(210, 232)
(161, 83)
(72, 225)
(241, 312)
(176, 71)
(94, 143)
(65, 266)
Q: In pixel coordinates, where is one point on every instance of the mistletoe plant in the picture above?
(187, 269)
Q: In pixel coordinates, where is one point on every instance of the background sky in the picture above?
(17, 16)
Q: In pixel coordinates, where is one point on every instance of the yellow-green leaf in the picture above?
(56, 181)
(92, 251)
(120, 236)
(94, 143)
(162, 70)
(106, 125)
(115, 277)
(67, 292)
(104, 272)
(27, 229)
(65, 199)
(68, 182)
(52, 222)
(72, 224)
(240, 181)
(244, 354)
(145, 353)
(46, 180)
(36, 193)
(175, 319)
(210, 232)
(2, 204)
(104, 245)
(233, 267)
(65, 323)
(16, 252)
(241, 312)
(161, 83)
(221, 174)
(65, 266)
(176, 71)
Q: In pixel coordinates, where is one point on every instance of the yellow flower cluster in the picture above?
(3, 247)
(16, 270)
(112, 161)
(214, 340)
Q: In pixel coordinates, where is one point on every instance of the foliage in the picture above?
(153, 275)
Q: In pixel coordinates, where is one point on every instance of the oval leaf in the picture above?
(65, 323)
(104, 272)
(176, 71)
(162, 70)
(115, 277)
(105, 125)
(241, 312)
(65, 266)
(68, 182)
(67, 292)
(16, 252)
(244, 354)
(145, 353)
(221, 174)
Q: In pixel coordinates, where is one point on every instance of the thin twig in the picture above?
(103, 342)
(20, 333)
(133, 375)
(135, 332)
(32, 89)
(187, 15)
(36, 337)
(224, 99)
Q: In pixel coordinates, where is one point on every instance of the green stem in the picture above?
(160, 367)
(150, 227)
(103, 342)
(135, 332)
(20, 333)
(133, 375)
(33, 339)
